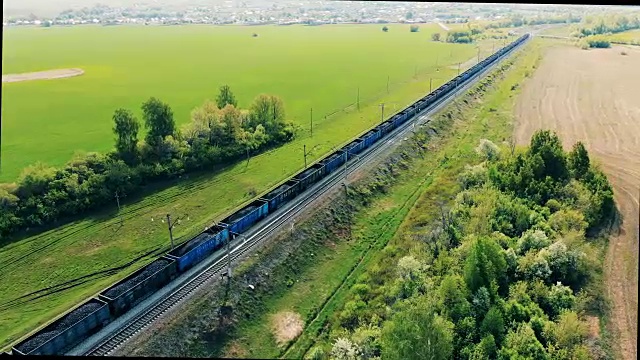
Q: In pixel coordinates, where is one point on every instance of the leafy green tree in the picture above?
(547, 145)
(368, 340)
(268, 110)
(225, 97)
(158, 118)
(126, 130)
(532, 240)
(578, 161)
(435, 36)
(414, 28)
(453, 294)
(385, 28)
(560, 298)
(568, 332)
(533, 266)
(485, 349)
(417, 333)
(485, 265)
(522, 344)
(493, 324)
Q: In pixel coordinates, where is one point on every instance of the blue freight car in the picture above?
(310, 176)
(244, 218)
(385, 128)
(334, 161)
(354, 147)
(370, 137)
(281, 195)
(130, 291)
(198, 248)
(67, 331)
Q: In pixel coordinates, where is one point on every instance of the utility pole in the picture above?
(430, 82)
(387, 84)
(170, 229)
(382, 113)
(311, 122)
(118, 201)
(304, 150)
(229, 260)
(171, 225)
(458, 68)
(346, 165)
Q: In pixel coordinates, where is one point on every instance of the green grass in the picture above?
(308, 66)
(626, 36)
(376, 225)
(456, 149)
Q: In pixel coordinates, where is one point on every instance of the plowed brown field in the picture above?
(594, 97)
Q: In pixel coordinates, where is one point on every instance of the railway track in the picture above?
(242, 244)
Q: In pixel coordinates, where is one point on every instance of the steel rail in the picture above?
(262, 230)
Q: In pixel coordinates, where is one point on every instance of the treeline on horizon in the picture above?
(508, 271)
(218, 134)
(595, 32)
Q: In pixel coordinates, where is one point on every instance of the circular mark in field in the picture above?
(42, 75)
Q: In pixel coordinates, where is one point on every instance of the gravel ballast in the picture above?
(120, 289)
(58, 327)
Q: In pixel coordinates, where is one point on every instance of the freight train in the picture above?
(87, 318)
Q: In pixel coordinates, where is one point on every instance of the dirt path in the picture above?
(42, 75)
(593, 96)
(443, 26)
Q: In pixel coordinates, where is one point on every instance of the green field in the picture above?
(319, 67)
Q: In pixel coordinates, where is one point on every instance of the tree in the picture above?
(126, 130)
(414, 28)
(547, 145)
(417, 332)
(578, 160)
(522, 344)
(385, 28)
(485, 265)
(225, 97)
(435, 36)
(493, 324)
(268, 110)
(158, 118)
(453, 295)
(344, 349)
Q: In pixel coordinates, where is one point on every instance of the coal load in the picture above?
(277, 191)
(240, 214)
(192, 244)
(58, 327)
(130, 283)
(307, 173)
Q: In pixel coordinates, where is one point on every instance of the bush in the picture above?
(414, 28)
(216, 136)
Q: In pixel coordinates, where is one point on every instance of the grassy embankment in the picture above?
(315, 286)
(91, 246)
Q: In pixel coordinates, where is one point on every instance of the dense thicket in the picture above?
(507, 273)
(219, 133)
